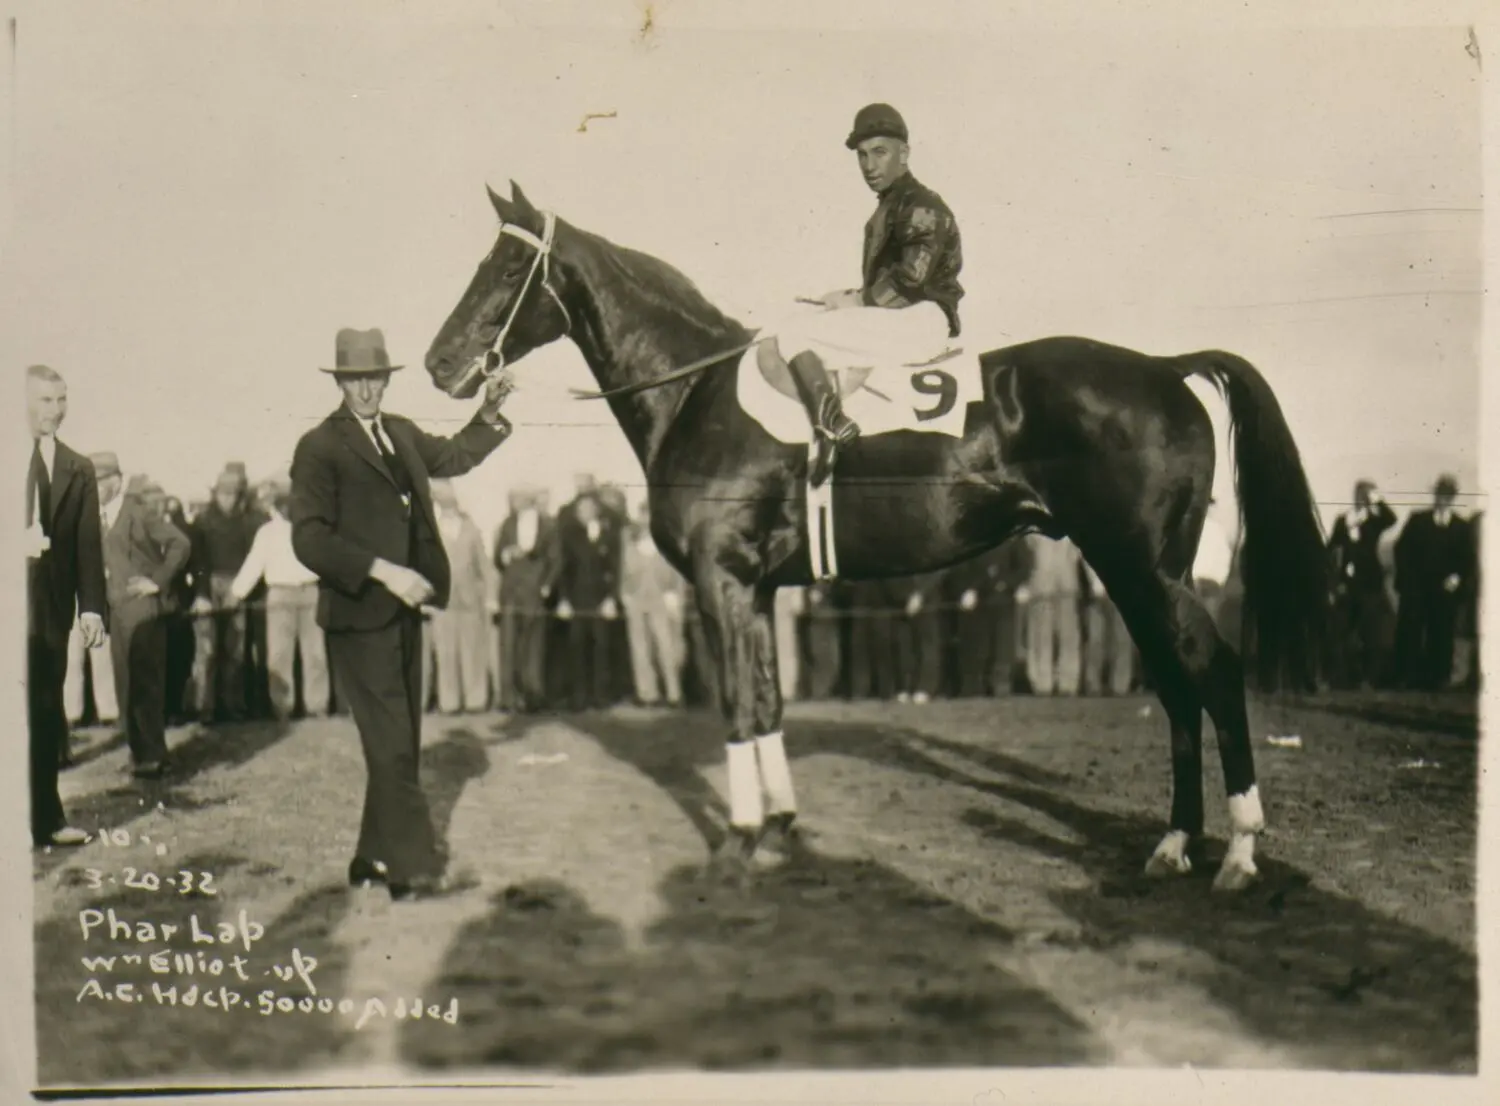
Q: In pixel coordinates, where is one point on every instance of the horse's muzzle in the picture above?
(465, 384)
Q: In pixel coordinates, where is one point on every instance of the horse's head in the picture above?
(511, 306)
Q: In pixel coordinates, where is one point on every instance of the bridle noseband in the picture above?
(494, 361)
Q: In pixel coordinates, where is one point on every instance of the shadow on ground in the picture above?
(1296, 965)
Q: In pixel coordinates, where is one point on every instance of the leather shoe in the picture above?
(431, 887)
(363, 873)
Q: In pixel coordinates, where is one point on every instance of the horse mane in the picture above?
(665, 288)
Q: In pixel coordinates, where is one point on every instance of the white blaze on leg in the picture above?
(775, 773)
(745, 808)
(1245, 820)
(1245, 815)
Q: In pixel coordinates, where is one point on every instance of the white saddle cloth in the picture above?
(912, 379)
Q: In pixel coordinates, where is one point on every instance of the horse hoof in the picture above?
(1170, 858)
(777, 841)
(1168, 866)
(1235, 877)
(730, 863)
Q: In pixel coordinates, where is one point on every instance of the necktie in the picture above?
(38, 490)
(381, 442)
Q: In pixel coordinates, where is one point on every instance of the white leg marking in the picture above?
(1170, 857)
(745, 807)
(775, 773)
(1246, 819)
(1245, 815)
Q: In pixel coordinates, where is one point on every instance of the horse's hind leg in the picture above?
(1218, 677)
(1185, 714)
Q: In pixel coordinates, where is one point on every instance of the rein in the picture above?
(665, 378)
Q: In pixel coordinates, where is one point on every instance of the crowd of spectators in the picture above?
(575, 609)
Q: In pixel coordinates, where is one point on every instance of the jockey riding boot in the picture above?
(820, 396)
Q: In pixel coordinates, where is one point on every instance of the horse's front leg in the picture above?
(737, 619)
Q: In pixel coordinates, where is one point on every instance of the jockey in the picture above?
(907, 307)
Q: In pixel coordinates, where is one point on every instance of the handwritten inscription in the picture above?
(184, 882)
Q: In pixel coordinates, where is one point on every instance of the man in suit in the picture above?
(587, 586)
(363, 521)
(1360, 609)
(64, 574)
(1434, 560)
(457, 658)
(143, 553)
(525, 554)
(918, 631)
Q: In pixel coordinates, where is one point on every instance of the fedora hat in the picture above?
(105, 464)
(360, 351)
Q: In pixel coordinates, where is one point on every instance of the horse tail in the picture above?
(1282, 557)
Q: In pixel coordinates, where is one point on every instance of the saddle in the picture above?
(848, 381)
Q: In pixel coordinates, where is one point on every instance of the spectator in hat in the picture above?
(588, 602)
(1434, 562)
(1361, 612)
(363, 521)
(526, 557)
(651, 592)
(457, 635)
(291, 590)
(64, 574)
(1053, 664)
(143, 553)
(182, 705)
(222, 537)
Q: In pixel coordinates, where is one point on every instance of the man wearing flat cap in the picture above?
(906, 309)
(143, 554)
(64, 574)
(363, 521)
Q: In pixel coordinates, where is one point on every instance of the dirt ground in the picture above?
(968, 892)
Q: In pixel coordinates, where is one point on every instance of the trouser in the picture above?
(852, 338)
(460, 652)
(655, 636)
(1109, 649)
(47, 723)
(871, 655)
(1052, 630)
(1007, 628)
(973, 637)
(788, 656)
(825, 654)
(589, 654)
(1358, 639)
(100, 666)
(523, 654)
(1425, 639)
(292, 628)
(919, 652)
(379, 674)
(138, 639)
(219, 662)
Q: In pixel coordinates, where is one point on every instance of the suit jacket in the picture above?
(912, 251)
(346, 511)
(589, 571)
(1054, 566)
(646, 577)
(69, 575)
(517, 585)
(1355, 548)
(143, 543)
(1427, 554)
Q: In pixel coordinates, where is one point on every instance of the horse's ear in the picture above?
(523, 205)
(502, 207)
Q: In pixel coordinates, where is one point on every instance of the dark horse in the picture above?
(1104, 445)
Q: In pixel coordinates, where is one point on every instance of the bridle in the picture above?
(494, 361)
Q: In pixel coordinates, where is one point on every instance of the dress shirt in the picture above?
(527, 524)
(271, 559)
(109, 513)
(48, 446)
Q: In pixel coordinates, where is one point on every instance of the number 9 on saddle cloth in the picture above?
(884, 361)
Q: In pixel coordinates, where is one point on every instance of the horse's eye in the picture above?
(510, 276)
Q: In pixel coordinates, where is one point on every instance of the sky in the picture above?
(203, 194)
